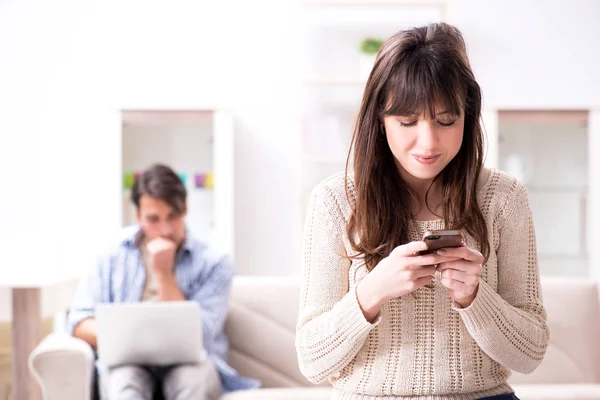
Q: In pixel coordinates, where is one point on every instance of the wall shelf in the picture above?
(547, 151)
(198, 145)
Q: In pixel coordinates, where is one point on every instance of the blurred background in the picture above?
(253, 103)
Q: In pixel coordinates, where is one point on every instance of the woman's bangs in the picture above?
(423, 86)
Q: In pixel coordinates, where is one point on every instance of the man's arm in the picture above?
(89, 293)
(213, 295)
(162, 254)
(87, 330)
(168, 288)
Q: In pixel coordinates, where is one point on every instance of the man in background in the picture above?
(158, 260)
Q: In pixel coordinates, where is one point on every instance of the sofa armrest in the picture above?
(64, 367)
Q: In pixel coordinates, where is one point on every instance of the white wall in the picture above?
(68, 66)
(593, 210)
(531, 53)
(90, 58)
(228, 54)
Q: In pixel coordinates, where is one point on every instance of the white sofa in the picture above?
(261, 329)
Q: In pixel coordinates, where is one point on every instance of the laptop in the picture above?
(150, 333)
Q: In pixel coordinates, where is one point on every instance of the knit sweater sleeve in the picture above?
(331, 327)
(510, 324)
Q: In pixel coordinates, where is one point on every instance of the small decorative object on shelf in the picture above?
(199, 180)
(210, 180)
(183, 177)
(205, 181)
(128, 180)
(368, 52)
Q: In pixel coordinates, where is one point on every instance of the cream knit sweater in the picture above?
(422, 346)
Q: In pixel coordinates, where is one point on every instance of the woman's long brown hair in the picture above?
(415, 71)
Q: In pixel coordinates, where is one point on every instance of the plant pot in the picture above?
(365, 64)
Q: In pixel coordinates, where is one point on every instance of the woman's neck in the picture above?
(427, 205)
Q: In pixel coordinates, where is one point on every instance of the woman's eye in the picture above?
(407, 124)
(449, 123)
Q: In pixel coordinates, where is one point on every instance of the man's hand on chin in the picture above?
(162, 256)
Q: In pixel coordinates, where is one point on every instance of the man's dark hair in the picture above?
(160, 182)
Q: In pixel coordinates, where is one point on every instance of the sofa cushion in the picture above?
(315, 393)
(261, 327)
(262, 321)
(523, 392)
(574, 320)
(558, 392)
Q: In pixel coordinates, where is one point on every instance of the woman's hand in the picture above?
(398, 274)
(461, 276)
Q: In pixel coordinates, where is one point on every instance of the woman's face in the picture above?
(422, 146)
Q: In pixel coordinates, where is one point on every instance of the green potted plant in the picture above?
(369, 48)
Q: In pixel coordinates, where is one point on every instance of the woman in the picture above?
(376, 318)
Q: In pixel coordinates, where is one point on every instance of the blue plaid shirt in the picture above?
(203, 275)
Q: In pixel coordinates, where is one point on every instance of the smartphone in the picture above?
(436, 240)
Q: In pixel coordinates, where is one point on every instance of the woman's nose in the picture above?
(427, 134)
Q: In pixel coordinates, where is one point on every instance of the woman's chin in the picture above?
(425, 172)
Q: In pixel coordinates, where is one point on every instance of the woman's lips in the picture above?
(426, 160)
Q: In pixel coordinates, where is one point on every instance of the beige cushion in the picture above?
(262, 320)
(261, 328)
(314, 393)
(523, 392)
(573, 354)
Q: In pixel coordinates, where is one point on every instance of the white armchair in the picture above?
(63, 366)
